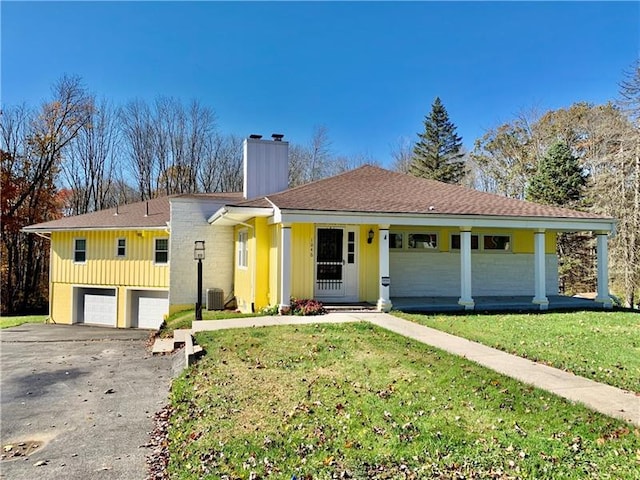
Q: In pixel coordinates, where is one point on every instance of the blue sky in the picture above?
(367, 71)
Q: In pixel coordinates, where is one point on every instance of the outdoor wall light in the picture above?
(198, 250)
(370, 236)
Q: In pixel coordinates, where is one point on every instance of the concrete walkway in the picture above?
(597, 396)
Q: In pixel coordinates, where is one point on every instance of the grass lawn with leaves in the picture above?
(602, 346)
(185, 318)
(355, 401)
(6, 322)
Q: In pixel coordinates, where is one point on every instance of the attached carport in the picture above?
(147, 308)
(95, 306)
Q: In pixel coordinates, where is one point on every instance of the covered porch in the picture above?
(491, 304)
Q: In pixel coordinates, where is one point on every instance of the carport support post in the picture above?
(540, 273)
(285, 269)
(384, 302)
(603, 270)
(466, 300)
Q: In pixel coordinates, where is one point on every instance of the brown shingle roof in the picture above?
(133, 215)
(376, 190)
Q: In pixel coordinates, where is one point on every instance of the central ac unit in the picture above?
(215, 299)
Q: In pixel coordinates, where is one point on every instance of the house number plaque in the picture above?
(386, 281)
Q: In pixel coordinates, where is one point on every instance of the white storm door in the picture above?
(336, 269)
(330, 262)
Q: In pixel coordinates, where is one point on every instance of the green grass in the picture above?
(355, 401)
(185, 318)
(6, 322)
(603, 346)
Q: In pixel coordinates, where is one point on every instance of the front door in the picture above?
(336, 264)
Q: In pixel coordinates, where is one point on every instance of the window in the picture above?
(162, 250)
(455, 242)
(351, 248)
(395, 241)
(80, 250)
(121, 249)
(243, 249)
(485, 243)
(496, 242)
(425, 241)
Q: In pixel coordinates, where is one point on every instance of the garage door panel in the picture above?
(100, 309)
(151, 311)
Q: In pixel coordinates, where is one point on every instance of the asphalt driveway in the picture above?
(84, 395)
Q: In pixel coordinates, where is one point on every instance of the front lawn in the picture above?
(184, 319)
(6, 322)
(355, 401)
(603, 346)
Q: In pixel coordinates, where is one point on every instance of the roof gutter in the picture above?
(92, 229)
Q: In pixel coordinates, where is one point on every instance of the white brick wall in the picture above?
(438, 274)
(188, 224)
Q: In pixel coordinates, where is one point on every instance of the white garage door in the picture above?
(100, 309)
(151, 311)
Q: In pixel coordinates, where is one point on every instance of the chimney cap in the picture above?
(255, 136)
(277, 137)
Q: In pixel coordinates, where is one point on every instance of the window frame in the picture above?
(480, 248)
(156, 251)
(402, 242)
(123, 246)
(77, 251)
(405, 247)
(242, 249)
(498, 250)
(423, 249)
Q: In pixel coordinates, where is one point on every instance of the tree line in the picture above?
(76, 154)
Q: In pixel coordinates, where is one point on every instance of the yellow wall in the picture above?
(260, 257)
(274, 265)
(60, 303)
(102, 266)
(368, 267)
(302, 260)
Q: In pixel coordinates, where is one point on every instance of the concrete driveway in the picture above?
(85, 395)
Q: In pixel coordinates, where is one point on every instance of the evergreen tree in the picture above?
(438, 154)
(559, 180)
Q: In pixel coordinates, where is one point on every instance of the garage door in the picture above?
(151, 311)
(100, 309)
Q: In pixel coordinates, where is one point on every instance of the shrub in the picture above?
(307, 307)
(271, 310)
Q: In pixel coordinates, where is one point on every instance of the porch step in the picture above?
(350, 307)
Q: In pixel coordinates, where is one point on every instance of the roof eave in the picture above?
(447, 220)
(229, 215)
(83, 229)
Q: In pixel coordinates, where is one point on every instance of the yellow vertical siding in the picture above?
(262, 242)
(368, 268)
(123, 298)
(103, 266)
(302, 260)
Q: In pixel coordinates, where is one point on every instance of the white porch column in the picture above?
(285, 268)
(540, 273)
(466, 299)
(384, 302)
(603, 270)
